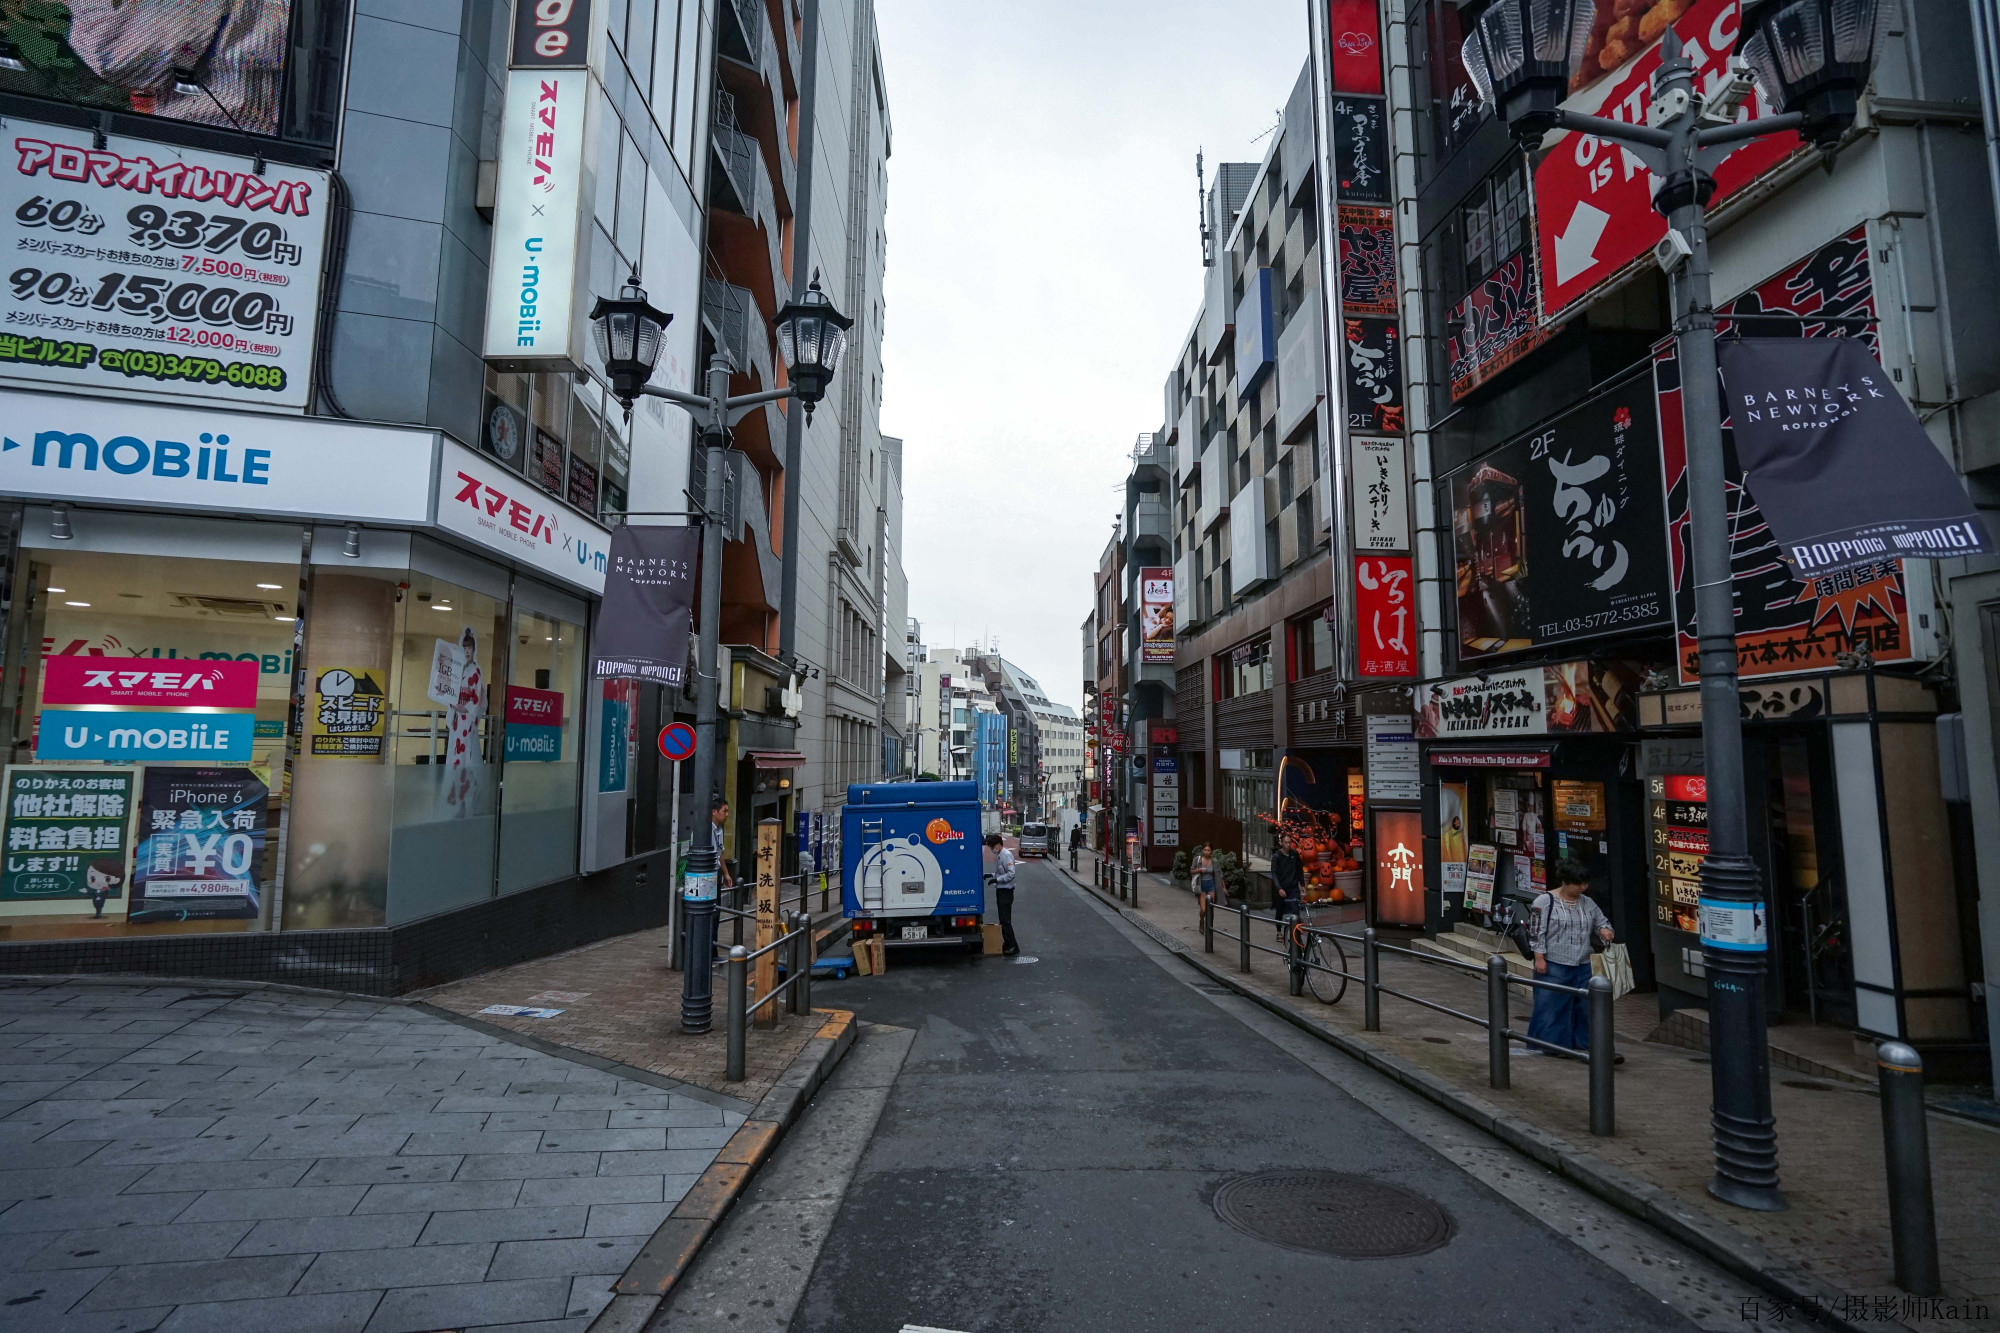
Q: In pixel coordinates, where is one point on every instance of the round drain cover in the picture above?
(1331, 1212)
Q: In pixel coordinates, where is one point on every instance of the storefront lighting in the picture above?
(271, 587)
(59, 529)
(286, 619)
(58, 589)
(351, 548)
(76, 603)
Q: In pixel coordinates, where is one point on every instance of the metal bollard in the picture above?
(809, 949)
(1207, 923)
(1295, 967)
(1135, 889)
(1899, 1071)
(1603, 1052)
(1243, 936)
(1371, 983)
(796, 931)
(734, 1003)
(1499, 1071)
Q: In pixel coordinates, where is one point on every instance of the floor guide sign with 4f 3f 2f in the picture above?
(162, 270)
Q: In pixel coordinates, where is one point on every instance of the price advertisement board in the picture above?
(164, 270)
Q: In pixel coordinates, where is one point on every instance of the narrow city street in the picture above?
(1049, 1156)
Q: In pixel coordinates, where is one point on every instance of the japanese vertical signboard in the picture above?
(201, 849)
(1784, 623)
(1156, 615)
(538, 236)
(68, 837)
(1367, 260)
(1594, 218)
(1381, 495)
(157, 269)
(1165, 796)
(1385, 620)
(1399, 867)
(1497, 324)
(1557, 533)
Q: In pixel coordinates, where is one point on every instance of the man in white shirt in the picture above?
(1002, 879)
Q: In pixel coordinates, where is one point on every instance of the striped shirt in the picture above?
(1562, 931)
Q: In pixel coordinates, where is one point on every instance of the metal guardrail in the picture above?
(797, 947)
(1600, 1056)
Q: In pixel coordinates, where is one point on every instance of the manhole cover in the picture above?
(1330, 1212)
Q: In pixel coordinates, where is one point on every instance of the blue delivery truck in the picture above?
(911, 869)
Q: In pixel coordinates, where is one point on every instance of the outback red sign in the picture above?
(142, 682)
(1594, 213)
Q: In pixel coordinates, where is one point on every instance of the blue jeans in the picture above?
(1562, 1020)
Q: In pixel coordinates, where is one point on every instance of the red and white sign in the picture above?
(1687, 788)
(1385, 629)
(534, 708)
(1354, 43)
(144, 682)
(485, 503)
(1594, 215)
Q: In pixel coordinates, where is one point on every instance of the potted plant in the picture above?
(1235, 878)
(1183, 866)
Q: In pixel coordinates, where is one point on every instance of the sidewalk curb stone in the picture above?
(666, 1257)
(1715, 1241)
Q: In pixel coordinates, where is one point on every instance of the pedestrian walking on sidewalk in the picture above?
(1001, 877)
(1561, 927)
(1288, 878)
(1205, 880)
(1075, 843)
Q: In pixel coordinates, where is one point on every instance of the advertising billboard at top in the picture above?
(1156, 615)
(164, 270)
(207, 62)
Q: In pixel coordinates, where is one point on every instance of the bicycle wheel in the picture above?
(1325, 952)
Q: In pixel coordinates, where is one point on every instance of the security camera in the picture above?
(1672, 250)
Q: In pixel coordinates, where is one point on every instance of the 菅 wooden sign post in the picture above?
(767, 918)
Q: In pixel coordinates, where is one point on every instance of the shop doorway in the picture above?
(1814, 960)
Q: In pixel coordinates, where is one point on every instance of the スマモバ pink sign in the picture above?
(148, 682)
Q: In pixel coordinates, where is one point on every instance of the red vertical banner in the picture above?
(1354, 44)
(1399, 867)
(1385, 617)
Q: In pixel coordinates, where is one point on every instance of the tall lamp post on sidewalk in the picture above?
(630, 334)
(1811, 58)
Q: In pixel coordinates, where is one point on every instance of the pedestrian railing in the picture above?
(1116, 876)
(1301, 960)
(795, 948)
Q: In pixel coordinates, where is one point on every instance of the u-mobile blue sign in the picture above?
(84, 734)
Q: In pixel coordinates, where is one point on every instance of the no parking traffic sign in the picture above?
(677, 741)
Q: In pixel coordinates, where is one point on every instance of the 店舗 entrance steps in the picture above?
(1474, 944)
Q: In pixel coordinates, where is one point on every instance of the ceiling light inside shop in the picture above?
(271, 587)
(58, 589)
(440, 606)
(76, 603)
(286, 619)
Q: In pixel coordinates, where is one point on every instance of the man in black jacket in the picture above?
(1288, 878)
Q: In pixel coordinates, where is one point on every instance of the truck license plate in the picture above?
(916, 932)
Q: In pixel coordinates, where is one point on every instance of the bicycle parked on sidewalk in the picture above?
(1325, 960)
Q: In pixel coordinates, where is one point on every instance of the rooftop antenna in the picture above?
(1201, 211)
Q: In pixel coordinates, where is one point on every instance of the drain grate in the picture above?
(1331, 1212)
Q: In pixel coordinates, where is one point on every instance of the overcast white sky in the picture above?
(1044, 268)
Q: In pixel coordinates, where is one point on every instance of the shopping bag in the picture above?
(1614, 964)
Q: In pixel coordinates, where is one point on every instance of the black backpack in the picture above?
(1517, 928)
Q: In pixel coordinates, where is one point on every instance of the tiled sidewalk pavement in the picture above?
(622, 1002)
(1829, 1135)
(183, 1159)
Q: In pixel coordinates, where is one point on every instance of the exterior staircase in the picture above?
(1467, 943)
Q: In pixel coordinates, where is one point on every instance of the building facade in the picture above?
(372, 495)
(1433, 608)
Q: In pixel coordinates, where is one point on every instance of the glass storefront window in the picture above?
(202, 831)
(539, 806)
(1312, 651)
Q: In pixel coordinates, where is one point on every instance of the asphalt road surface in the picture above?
(1048, 1156)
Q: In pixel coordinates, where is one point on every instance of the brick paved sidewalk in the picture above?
(1830, 1135)
(622, 1002)
(188, 1158)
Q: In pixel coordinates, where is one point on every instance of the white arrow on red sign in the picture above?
(1594, 215)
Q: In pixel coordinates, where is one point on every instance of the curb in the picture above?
(1715, 1241)
(666, 1257)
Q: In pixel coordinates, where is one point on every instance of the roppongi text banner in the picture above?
(148, 267)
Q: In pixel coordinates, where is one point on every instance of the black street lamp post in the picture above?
(630, 335)
(1812, 59)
